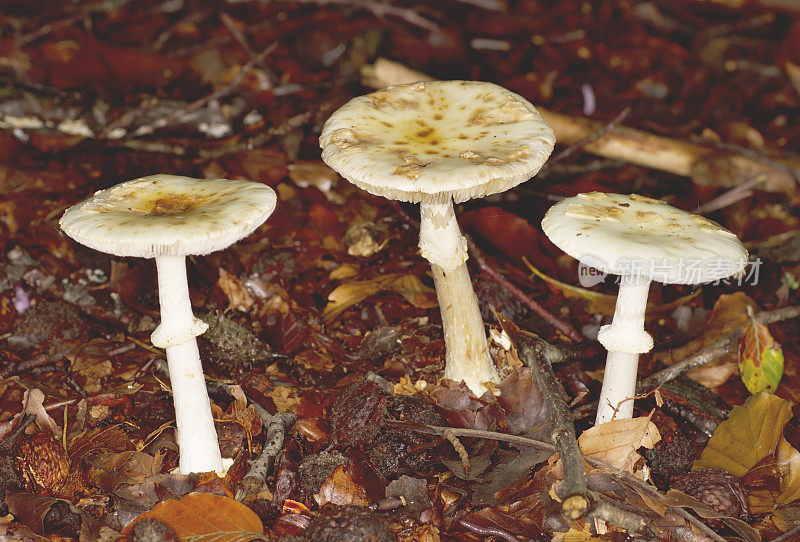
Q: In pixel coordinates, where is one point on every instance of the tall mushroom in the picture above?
(167, 217)
(435, 143)
(642, 240)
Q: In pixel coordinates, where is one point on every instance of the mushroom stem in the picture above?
(441, 243)
(440, 239)
(196, 435)
(624, 339)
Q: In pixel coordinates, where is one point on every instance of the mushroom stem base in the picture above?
(196, 435)
(619, 387)
(467, 354)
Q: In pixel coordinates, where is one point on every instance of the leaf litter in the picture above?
(328, 311)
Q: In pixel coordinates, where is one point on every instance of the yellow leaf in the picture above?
(750, 433)
(416, 293)
(348, 294)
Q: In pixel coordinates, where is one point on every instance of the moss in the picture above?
(232, 347)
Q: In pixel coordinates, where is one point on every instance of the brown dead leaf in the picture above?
(341, 490)
(233, 288)
(730, 312)
(33, 403)
(616, 442)
(108, 471)
(98, 440)
(350, 293)
(212, 517)
(45, 514)
(305, 173)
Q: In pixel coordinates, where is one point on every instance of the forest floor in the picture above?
(329, 312)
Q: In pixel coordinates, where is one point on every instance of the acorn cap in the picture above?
(621, 234)
(459, 139)
(168, 215)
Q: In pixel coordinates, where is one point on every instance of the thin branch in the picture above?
(577, 501)
(529, 302)
(714, 351)
(581, 143)
(276, 426)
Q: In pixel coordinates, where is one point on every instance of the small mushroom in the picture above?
(642, 240)
(167, 217)
(433, 143)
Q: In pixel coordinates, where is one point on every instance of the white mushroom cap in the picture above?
(625, 234)
(168, 215)
(459, 139)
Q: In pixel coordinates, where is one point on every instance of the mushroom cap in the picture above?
(168, 215)
(459, 139)
(624, 234)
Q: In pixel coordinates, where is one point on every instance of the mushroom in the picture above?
(433, 143)
(642, 240)
(167, 217)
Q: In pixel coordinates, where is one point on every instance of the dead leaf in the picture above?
(751, 432)
(108, 471)
(416, 293)
(348, 294)
(33, 403)
(341, 490)
(98, 440)
(45, 514)
(233, 288)
(616, 442)
(203, 516)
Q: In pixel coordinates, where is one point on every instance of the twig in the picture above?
(598, 509)
(640, 485)
(560, 325)
(791, 534)
(578, 145)
(491, 5)
(576, 502)
(459, 448)
(715, 351)
(217, 94)
(276, 427)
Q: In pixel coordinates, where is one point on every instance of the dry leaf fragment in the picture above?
(33, 403)
(204, 516)
(616, 442)
(341, 490)
(233, 288)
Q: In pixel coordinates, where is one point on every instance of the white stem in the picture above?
(619, 387)
(197, 437)
(624, 339)
(466, 352)
(178, 324)
(440, 239)
(441, 243)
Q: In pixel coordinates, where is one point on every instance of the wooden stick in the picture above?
(577, 500)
